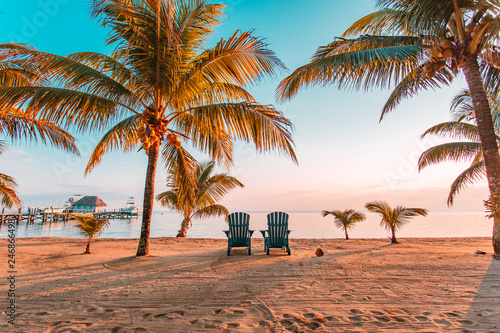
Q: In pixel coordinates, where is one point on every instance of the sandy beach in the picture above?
(190, 285)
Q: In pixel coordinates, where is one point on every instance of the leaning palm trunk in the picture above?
(184, 228)
(149, 189)
(488, 138)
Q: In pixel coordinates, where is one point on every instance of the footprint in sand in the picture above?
(265, 323)
(221, 311)
(400, 319)
(383, 318)
(238, 312)
(443, 322)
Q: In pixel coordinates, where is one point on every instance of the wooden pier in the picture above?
(49, 217)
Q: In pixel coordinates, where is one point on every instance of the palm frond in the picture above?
(60, 105)
(215, 187)
(121, 136)
(169, 199)
(471, 175)
(345, 219)
(182, 168)
(455, 130)
(453, 151)
(3, 146)
(414, 82)
(266, 127)
(8, 193)
(425, 15)
(242, 59)
(461, 105)
(89, 225)
(402, 215)
(18, 125)
(211, 211)
(363, 63)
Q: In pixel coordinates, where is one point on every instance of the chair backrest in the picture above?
(277, 227)
(238, 227)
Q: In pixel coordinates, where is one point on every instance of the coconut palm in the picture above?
(418, 45)
(394, 218)
(90, 227)
(345, 220)
(21, 126)
(161, 87)
(206, 192)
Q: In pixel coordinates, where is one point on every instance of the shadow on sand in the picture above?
(484, 313)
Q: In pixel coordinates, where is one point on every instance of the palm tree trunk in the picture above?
(87, 250)
(487, 135)
(393, 238)
(184, 228)
(346, 235)
(147, 206)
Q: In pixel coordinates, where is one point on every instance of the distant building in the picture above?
(88, 204)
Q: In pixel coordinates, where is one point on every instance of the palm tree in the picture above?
(19, 125)
(468, 150)
(90, 227)
(160, 87)
(418, 45)
(345, 220)
(207, 191)
(394, 218)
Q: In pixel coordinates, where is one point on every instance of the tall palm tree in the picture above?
(161, 86)
(90, 227)
(418, 45)
(20, 126)
(203, 198)
(394, 218)
(345, 220)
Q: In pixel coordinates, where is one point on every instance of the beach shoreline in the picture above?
(190, 285)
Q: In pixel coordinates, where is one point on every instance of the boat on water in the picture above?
(130, 207)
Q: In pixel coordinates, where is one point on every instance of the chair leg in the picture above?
(249, 250)
(267, 250)
(289, 251)
(229, 250)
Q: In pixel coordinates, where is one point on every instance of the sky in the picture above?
(346, 157)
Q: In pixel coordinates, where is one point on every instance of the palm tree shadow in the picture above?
(484, 312)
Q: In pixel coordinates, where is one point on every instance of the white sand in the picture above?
(190, 285)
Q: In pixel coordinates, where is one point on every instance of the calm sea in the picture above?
(302, 224)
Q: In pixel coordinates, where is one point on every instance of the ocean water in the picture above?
(302, 224)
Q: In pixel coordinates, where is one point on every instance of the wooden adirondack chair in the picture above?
(239, 234)
(277, 232)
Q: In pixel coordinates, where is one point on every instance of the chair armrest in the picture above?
(263, 232)
(226, 232)
(251, 232)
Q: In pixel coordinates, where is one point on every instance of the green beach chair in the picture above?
(277, 232)
(239, 234)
